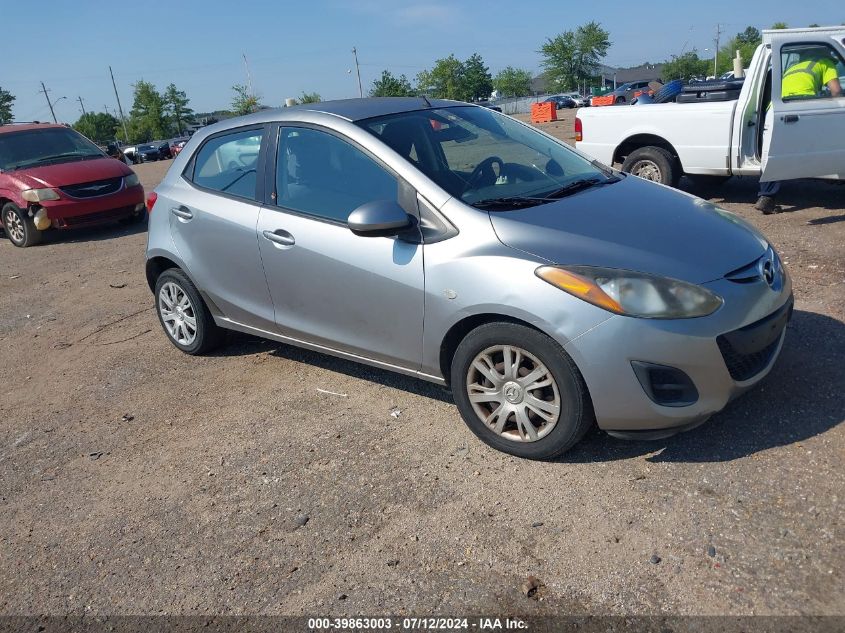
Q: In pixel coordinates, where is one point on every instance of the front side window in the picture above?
(228, 163)
(46, 146)
(810, 71)
(319, 174)
(480, 156)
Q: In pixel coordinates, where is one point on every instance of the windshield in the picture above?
(481, 156)
(47, 146)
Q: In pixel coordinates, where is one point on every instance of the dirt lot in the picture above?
(136, 479)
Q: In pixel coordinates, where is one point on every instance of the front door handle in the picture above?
(790, 118)
(182, 212)
(280, 237)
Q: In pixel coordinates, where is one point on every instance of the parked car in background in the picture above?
(487, 104)
(113, 149)
(177, 147)
(146, 153)
(53, 177)
(164, 150)
(580, 101)
(626, 92)
(561, 102)
(555, 292)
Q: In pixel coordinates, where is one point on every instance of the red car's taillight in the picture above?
(579, 130)
(151, 200)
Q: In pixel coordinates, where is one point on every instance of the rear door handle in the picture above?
(182, 212)
(790, 118)
(280, 237)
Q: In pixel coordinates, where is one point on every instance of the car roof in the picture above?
(21, 127)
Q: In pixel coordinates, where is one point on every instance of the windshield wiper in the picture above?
(579, 185)
(512, 202)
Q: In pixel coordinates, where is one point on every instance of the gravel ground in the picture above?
(136, 479)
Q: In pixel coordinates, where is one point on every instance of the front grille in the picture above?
(745, 366)
(94, 189)
(101, 216)
(748, 350)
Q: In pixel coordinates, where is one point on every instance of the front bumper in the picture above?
(70, 212)
(724, 355)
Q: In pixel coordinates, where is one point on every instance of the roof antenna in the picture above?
(427, 102)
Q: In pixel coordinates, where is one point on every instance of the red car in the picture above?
(53, 177)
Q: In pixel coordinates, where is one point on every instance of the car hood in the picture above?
(71, 173)
(634, 225)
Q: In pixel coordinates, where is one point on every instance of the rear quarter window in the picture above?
(228, 163)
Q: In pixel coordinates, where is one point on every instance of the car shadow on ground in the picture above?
(802, 397)
(795, 195)
(94, 233)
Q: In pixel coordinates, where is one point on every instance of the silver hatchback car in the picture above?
(455, 244)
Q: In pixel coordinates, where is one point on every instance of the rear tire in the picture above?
(19, 227)
(655, 164)
(495, 375)
(183, 315)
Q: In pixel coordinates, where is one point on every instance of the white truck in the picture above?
(712, 141)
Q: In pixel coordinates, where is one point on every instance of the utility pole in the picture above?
(81, 105)
(119, 108)
(248, 75)
(358, 70)
(716, 50)
(49, 103)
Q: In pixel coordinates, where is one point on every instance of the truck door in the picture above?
(808, 130)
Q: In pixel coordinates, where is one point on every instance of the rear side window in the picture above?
(228, 163)
(321, 175)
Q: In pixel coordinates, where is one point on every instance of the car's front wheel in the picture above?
(519, 391)
(183, 314)
(19, 228)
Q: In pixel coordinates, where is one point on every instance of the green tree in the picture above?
(573, 56)
(310, 97)
(177, 109)
(477, 81)
(147, 120)
(780, 25)
(100, 127)
(445, 80)
(389, 86)
(513, 82)
(244, 101)
(6, 101)
(686, 67)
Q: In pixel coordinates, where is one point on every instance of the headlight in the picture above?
(39, 195)
(131, 180)
(632, 293)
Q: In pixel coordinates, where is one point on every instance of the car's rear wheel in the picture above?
(653, 163)
(19, 227)
(184, 315)
(519, 391)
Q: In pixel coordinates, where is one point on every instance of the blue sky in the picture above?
(306, 46)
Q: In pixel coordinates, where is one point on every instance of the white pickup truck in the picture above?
(712, 141)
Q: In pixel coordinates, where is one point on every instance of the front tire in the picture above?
(19, 227)
(519, 391)
(655, 164)
(183, 314)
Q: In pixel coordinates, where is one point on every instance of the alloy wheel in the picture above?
(14, 226)
(177, 313)
(513, 393)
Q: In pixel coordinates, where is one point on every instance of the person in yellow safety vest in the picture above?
(805, 78)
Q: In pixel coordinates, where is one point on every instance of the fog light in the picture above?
(41, 220)
(140, 207)
(666, 386)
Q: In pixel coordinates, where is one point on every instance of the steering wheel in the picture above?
(484, 169)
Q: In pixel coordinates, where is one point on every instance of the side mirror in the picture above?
(379, 218)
